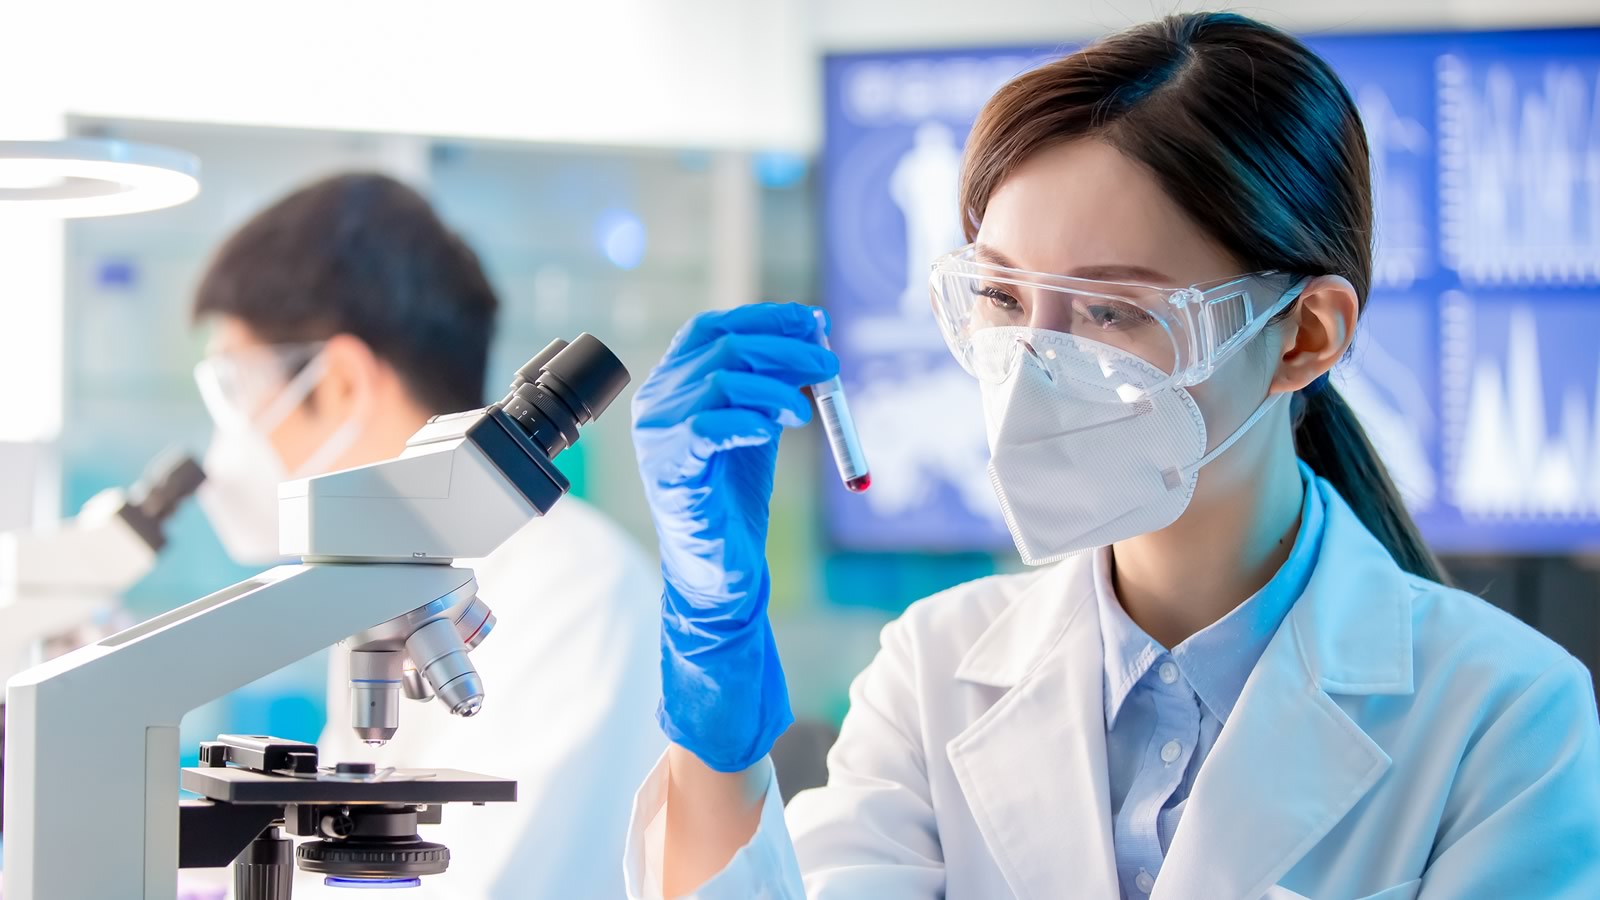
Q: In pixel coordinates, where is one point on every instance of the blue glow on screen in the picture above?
(622, 238)
(778, 170)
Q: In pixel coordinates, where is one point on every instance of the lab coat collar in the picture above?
(1015, 641)
(1033, 767)
(1354, 619)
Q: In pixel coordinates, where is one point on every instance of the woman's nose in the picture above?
(1051, 313)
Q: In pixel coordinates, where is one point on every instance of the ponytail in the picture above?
(1332, 442)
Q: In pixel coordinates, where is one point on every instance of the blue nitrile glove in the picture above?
(706, 425)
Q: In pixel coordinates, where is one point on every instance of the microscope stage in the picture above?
(397, 786)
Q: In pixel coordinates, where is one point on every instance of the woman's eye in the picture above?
(1114, 316)
(999, 299)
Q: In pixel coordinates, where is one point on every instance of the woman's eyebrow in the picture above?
(994, 257)
(1120, 273)
(1107, 272)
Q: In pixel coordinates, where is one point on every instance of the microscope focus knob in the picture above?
(265, 870)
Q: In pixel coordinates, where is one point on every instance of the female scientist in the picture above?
(1238, 677)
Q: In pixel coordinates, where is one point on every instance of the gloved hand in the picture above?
(706, 425)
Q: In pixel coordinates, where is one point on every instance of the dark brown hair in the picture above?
(364, 255)
(1256, 138)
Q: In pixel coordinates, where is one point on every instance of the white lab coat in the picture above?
(1396, 740)
(571, 678)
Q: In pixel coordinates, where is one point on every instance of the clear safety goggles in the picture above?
(992, 316)
(260, 386)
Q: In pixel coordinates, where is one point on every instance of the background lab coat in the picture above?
(1396, 740)
(571, 679)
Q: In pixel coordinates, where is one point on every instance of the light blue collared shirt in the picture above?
(1164, 710)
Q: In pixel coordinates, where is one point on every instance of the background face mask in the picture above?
(243, 471)
(1078, 459)
(240, 494)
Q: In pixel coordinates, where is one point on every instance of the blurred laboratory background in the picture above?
(622, 165)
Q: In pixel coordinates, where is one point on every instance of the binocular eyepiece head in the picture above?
(565, 386)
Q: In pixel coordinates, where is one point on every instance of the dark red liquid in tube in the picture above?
(834, 413)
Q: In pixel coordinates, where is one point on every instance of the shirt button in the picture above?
(1171, 752)
(1144, 882)
(1169, 672)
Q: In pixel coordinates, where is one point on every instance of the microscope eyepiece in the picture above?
(562, 388)
(530, 370)
(170, 479)
(590, 372)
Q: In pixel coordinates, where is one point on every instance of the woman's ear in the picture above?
(349, 379)
(1318, 334)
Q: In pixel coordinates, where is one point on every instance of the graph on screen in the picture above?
(1525, 435)
(1519, 158)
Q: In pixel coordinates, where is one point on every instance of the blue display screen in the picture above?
(1476, 369)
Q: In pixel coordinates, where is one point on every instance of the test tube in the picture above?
(835, 414)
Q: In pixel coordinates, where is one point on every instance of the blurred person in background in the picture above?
(1240, 677)
(341, 318)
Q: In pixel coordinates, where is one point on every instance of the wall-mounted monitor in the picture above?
(1477, 365)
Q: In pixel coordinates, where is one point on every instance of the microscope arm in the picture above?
(101, 723)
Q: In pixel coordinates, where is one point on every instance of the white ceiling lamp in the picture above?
(81, 177)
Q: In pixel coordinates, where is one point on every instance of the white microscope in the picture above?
(57, 579)
(92, 775)
(57, 583)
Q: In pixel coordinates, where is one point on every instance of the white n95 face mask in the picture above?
(243, 471)
(240, 494)
(1089, 444)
